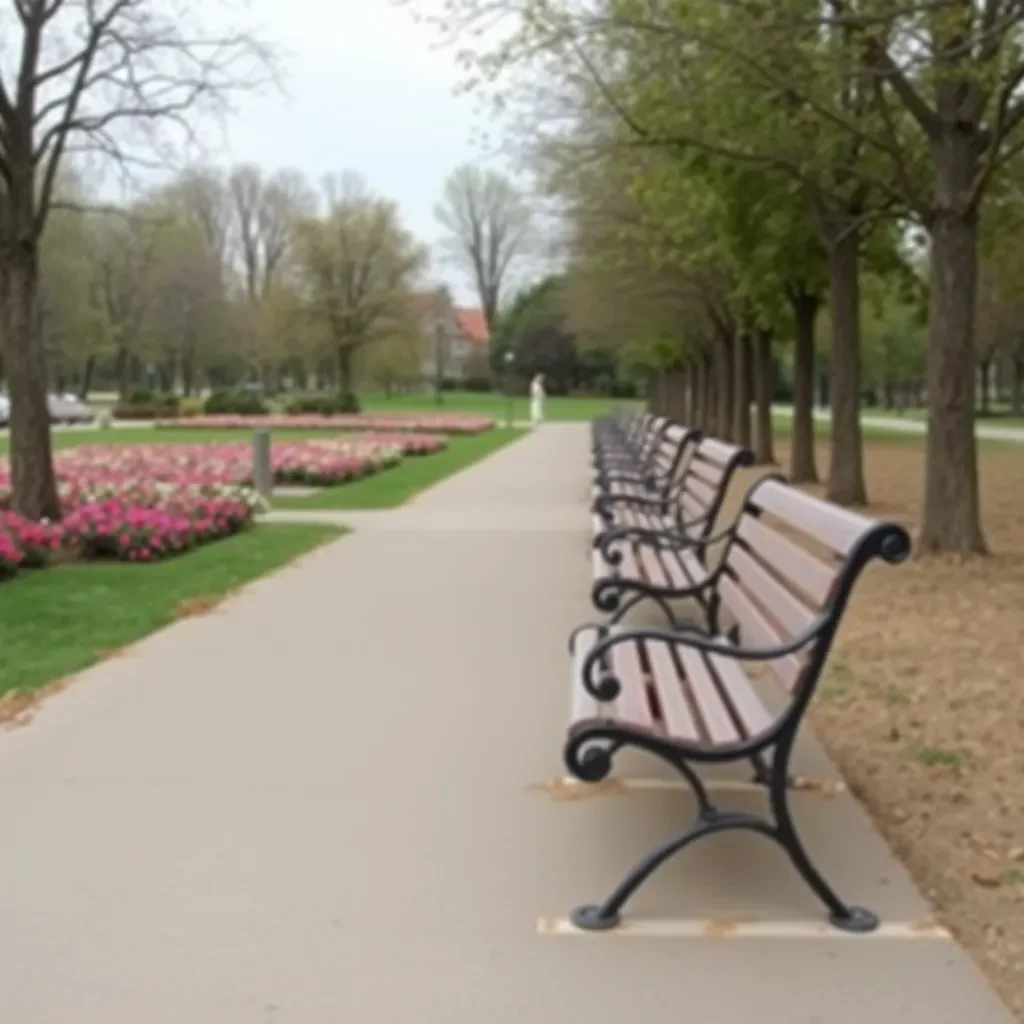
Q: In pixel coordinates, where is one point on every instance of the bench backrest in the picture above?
(701, 488)
(788, 571)
(675, 445)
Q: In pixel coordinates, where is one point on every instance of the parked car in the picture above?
(68, 409)
(63, 409)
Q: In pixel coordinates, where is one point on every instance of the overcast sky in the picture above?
(367, 90)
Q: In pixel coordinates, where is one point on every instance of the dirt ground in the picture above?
(924, 709)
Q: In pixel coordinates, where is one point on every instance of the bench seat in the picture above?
(679, 693)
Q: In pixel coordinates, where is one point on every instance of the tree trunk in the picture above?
(33, 484)
(344, 365)
(764, 450)
(188, 374)
(985, 376)
(805, 312)
(743, 356)
(121, 373)
(708, 402)
(724, 387)
(824, 391)
(696, 384)
(656, 400)
(846, 450)
(1017, 386)
(675, 394)
(88, 370)
(951, 518)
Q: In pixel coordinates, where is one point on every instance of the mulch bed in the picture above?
(924, 710)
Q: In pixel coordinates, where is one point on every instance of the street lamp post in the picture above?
(509, 358)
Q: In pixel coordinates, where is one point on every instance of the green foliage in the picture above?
(538, 304)
(322, 405)
(234, 403)
(894, 334)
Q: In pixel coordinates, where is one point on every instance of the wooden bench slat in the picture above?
(753, 715)
(835, 527)
(668, 686)
(701, 491)
(651, 566)
(718, 452)
(718, 723)
(692, 509)
(684, 568)
(810, 574)
(631, 705)
(781, 603)
(757, 631)
(707, 471)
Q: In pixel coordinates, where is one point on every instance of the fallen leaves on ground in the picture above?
(922, 709)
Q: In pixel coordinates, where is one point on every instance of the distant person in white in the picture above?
(537, 396)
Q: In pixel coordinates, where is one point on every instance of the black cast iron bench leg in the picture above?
(709, 821)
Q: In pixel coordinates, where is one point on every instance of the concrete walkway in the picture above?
(332, 801)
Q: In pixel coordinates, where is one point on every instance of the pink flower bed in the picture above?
(121, 529)
(441, 423)
(146, 502)
(150, 473)
(25, 544)
(109, 470)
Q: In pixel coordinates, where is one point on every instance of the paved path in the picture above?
(324, 803)
(898, 424)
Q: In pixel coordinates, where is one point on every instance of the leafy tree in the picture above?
(357, 265)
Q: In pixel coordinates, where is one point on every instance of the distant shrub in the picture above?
(191, 407)
(234, 403)
(322, 405)
(146, 411)
(623, 389)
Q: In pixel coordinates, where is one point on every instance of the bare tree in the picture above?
(265, 210)
(488, 224)
(112, 78)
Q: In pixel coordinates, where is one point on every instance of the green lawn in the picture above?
(783, 426)
(393, 487)
(496, 405)
(57, 621)
(1000, 417)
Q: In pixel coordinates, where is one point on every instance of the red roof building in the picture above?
(457, 336)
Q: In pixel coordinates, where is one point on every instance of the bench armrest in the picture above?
(671, 540)
(603, 502)
(603, 686)
(616, 476)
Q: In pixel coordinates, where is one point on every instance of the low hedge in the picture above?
(234, 403)
(146, 411)
(322, 405)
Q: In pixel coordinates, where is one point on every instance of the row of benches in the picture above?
(771, 587)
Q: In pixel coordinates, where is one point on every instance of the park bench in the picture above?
(627, 444)
(643, 547)
(618, 431)
(686, 697)
(651, 476)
